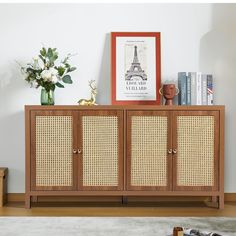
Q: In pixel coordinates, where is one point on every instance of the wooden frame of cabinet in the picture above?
(33, 145)
(125, 189)
(119, 114)
(141, 113)
(215, 114)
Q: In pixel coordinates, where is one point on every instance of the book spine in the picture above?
(179, 87)
(209, 90)
(182, 84)
(188, 90)
(192, 75)
(199, 88)
(204, 89)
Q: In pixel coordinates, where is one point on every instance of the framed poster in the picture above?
(135, 68)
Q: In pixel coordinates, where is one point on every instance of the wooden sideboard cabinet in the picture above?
(125, 151)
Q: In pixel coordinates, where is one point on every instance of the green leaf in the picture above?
(52, 87)
(43, 51)
(71, 69)
(67, 79)
(49, 53)
(67, 65)
(60, 70)
(54, 57)
(43, 59)
(31, 70)
(59, 85)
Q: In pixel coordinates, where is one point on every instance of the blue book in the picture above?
(182, 85)
(188, 90)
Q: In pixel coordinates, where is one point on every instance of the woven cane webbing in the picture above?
(195, 143)
(149, 151)
(100, 150)
(53, 150)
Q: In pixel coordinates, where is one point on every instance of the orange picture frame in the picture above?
(130, 83)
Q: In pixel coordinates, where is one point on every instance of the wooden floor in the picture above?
(102, 209)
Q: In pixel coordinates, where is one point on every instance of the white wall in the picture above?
(193, 39)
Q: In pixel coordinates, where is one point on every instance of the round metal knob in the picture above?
(74, 151)
(169, 151)
(79, 151)
(174, 151)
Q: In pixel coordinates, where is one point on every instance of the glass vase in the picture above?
(47, 97)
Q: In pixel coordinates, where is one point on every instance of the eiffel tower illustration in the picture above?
(135, 69)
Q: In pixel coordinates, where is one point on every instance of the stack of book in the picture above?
(195, 88)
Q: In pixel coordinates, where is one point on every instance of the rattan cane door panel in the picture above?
(148, 141)
(101, 160)
(52, 151)
(196, 140)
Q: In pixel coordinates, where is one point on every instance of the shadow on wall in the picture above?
(12, 125)
(104, 81)
(218, 56)
(218, 51)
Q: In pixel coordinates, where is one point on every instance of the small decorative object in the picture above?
(43, 72)
(196, 232)
(178, 231)
(92, 100)
(168, 91)
(135, 67)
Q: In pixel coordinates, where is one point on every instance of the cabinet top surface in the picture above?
(124, 107)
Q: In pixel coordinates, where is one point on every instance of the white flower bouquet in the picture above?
(43, 71)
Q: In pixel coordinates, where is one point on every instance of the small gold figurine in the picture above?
(92, 100)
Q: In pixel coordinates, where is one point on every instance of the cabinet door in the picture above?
(52, 159)
(148, 141)
(101, 147)
(196, 140)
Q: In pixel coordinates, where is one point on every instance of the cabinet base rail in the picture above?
(216, 197)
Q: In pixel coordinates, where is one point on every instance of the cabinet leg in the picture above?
(27, 201)
(34, 198)
(221, 202)
(124, 200)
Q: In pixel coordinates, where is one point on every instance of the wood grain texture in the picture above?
(125, 193)
(101, 113)
(27, 156)
(221, 157)
(20, 197)
(3, 185)
(129, 131)
(126, 107)
(217, 193)
(34, 115)
(193, 114)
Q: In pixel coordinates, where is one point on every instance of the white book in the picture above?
(204, 89)
(199, 88)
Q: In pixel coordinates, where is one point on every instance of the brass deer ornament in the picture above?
(92, 100)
